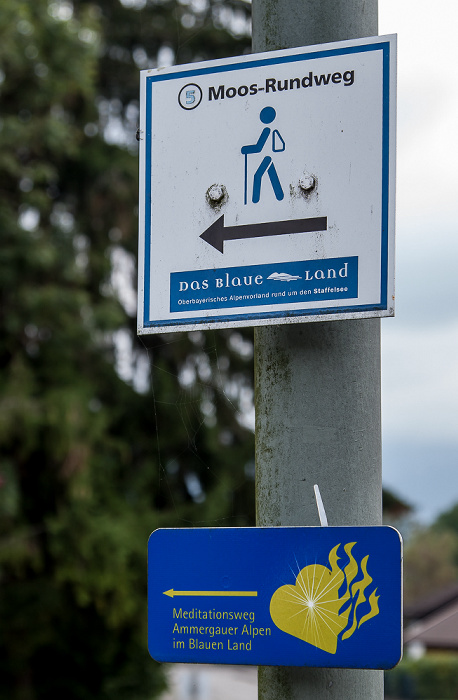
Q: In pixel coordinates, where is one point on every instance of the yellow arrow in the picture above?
(171, 593)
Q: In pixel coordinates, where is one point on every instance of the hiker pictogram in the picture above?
(267, 165)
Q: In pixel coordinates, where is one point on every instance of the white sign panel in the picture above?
(267, 188)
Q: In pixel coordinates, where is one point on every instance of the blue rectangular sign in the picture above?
(257, 285)
(286, 596)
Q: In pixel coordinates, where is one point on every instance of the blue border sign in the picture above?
(267, 188)
(286, 596)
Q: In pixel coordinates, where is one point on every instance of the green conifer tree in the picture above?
(102, 439)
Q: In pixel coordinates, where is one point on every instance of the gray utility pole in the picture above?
(317, 388)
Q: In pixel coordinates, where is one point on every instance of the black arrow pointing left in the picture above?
(217, 233)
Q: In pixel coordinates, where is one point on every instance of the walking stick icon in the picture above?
(246, 177)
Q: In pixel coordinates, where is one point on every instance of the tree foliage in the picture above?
(429, 563)
(448, 520)
(102, 439)
(431, 557)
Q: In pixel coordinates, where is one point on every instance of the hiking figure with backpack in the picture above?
(267, 116)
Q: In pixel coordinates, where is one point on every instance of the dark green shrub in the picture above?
(434, 677)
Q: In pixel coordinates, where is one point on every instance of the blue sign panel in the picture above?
(255, 285)
(286, 596)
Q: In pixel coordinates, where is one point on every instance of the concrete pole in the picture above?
(317, 388)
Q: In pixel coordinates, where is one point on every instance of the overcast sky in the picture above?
(420, 345)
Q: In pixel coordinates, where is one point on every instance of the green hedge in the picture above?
(434, 677)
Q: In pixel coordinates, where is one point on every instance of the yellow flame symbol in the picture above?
(312, 609)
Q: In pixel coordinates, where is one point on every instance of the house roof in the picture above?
(438, 630)
(431, 603)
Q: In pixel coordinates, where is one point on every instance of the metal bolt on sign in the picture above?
(307, 183)
(216, 193)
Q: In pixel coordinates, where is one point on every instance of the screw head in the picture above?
(216, 193)
(307, 183)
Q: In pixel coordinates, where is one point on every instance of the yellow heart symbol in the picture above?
(309, 609)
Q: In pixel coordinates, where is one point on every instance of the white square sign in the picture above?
(267, 188)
